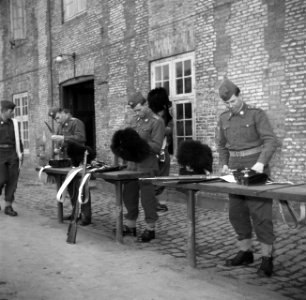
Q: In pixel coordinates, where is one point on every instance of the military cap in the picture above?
(52, 112)
(227, 89)
(7, 104)
(136, 98)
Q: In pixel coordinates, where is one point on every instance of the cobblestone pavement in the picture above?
(215, 237)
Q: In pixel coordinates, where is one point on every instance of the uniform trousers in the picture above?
(9, 173)
(247, 212)
(134, 188)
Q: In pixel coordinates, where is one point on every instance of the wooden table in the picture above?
(118, 178)
(274, 191)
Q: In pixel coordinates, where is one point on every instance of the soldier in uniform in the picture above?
(11, 154)
(151, 128)
(159, 103)
(72, 130)
(246, 140)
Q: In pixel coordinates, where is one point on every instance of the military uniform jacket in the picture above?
(73, 130)
(151, 128)
(247, 129)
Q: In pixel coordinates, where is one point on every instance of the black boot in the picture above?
(241, 259)
(147, 236)
(10, 211)
(266, 267)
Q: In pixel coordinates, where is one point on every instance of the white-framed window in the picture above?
(18, 19)
(73, 8)
(21, 115)
(177, 75)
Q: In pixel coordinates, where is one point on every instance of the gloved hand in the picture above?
(57, 138)
(225, 170)
(258, 167)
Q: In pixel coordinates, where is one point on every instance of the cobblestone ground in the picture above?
(215, 237)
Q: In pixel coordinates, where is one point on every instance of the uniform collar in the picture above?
(4, 121)
(241, 113)
(147, 115)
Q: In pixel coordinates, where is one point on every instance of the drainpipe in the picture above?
(50, 63)
(50, 53)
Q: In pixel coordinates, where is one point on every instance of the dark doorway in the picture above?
(78, 96)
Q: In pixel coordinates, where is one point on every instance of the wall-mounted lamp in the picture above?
(59, 59)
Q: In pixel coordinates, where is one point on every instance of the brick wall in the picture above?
(259, 44)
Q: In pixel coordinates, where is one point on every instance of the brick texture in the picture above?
(259, 44)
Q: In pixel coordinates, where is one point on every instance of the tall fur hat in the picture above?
(75, 151)
(128, 145)
(158, 99)
(195, 155)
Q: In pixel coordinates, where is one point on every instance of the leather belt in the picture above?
(6, 146)
(247, 152)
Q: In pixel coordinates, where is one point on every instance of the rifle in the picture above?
(72, 228)
(182, 178)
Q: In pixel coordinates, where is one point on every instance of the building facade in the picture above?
(109, 49)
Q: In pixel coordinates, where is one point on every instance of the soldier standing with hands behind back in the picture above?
(246, 140)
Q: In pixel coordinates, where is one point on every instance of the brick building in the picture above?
(112, 48)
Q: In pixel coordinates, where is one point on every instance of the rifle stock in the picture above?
(73, 226)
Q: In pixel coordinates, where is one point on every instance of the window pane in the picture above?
(24, 105)
(178, 68)
(179, 140)
(158, 84)
(180, 128)
(179, 111)
(179, 86)
(188, 111)
(188, 85)
(17, 111)
(188, 127)
(158, 73)
(166, 86)
(81, 5)
(166, 72)
(187, 67)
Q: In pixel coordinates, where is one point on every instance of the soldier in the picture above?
(70, 130)
(246, 140)
(159, 103)
(11, 154)
(151, 128)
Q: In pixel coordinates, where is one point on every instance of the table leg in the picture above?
(191, 229)
(58, 180)
(119, 212)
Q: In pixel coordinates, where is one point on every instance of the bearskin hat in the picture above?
(158, 99)
(195, 155)
(75, 152)
(128, 145)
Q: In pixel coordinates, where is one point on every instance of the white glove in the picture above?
(225, 170)
(57, 138)
(258, 167)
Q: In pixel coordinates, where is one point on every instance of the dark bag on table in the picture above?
(249, 177)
